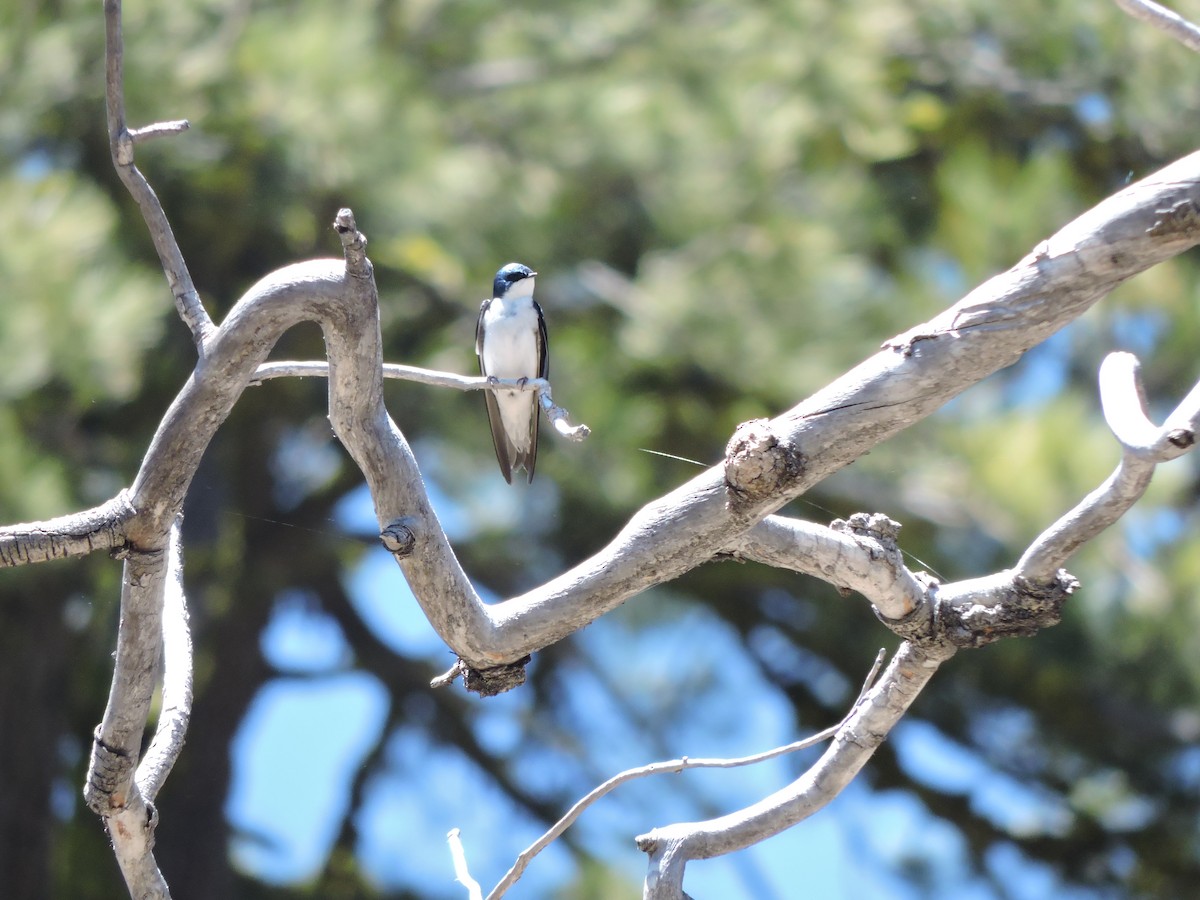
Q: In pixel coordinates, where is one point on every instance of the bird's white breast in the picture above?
(510, 328)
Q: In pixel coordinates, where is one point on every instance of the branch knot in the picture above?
(108, 772)
(487, 682)
(122, 148)
(759, 462)
(871, 525)
(1183, 438)
(399, 538)
(354, 245)
(923, 625)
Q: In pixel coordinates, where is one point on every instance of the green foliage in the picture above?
(730, 204)
(76, 314)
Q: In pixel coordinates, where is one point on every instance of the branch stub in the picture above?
(1183, 438)
(398, 538)
(1032, 608)
(496, 679)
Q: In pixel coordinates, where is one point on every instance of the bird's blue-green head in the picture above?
(510, 274)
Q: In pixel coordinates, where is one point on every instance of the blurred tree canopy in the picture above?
(730, 204)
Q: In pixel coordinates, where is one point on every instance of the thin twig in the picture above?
(671, 766)
(557, 416)
(1165, 20)
(121, 141)
(462, 872)
(671, 847)
(320, 369)
(449, 675)
(159, 129)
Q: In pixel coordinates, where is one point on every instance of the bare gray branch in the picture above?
(1144, 445)
(915, 374)
(673, 766)
(848, 557)
(671, 847)
(1165, 20)
(176, 712)
(723, 510)
(81, 533)
(557, 416)
(111, 790)
(121, 142)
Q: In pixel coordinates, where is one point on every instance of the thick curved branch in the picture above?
(915, 374)
(1144, 446)
(309, 291)
(941, 618)
(768, 464)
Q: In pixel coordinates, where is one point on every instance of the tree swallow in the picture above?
(510, 341)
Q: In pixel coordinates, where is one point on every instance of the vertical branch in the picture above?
(176, 712)
(111, 791)
(121, 142)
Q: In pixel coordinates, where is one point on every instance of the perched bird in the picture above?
(510, 341)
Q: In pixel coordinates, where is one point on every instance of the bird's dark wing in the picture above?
(499, 437)
(543, 371)
(543, 344)
(483, 308)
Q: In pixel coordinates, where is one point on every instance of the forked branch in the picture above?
(121, 143)
(673, 766)
(671, 847)
(1144, 446)
(939, 619)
